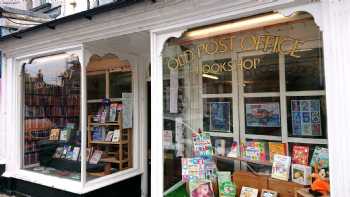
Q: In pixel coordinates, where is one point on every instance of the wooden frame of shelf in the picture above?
(119, 158)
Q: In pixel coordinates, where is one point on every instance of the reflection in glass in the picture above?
(52, 114)
(97, 86)
(216, 82)
(119, 82)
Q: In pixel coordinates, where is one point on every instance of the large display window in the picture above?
(238, 97)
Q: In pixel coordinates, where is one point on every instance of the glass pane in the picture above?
(307, 153)
(265, 77)
(120, 82)
(217, 115)
(52, 116)
(263, 116)
(307, 116)
(214, 81)
(305, 72)
(97, 86)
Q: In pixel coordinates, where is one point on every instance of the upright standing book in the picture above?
(193, 169)
(276, 148)
(300, 155)
(202, 145)
(281, 167)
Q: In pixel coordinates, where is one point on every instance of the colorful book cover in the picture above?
(300, 155)
(306, 117)
(281, 167)
(234, 152)
(301, 174)
(276, 148)
(249, 192)
(320, 156)
(96, 157)
(252, 153)
(226, 187)
(262, 149)
(192, 169)
(201, 189)
(202, 146)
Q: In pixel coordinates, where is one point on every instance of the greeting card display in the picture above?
(300, 155)
(281, 167)
(201, 189)
(306, 117)
(301, 174)
(202, 146)
(193, 169)
(263, 115)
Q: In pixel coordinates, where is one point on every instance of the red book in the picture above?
(300, 155)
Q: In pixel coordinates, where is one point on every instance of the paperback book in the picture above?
(76, 152)
(320, 156)
(116, 136)
(54, 134)
(202, 146)
(300, 155)
(226, 187)
(281, 167)
(96, 157)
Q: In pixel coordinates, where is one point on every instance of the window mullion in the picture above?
(283, 99)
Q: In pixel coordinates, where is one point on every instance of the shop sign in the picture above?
(264, 43)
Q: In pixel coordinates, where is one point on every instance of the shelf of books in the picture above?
(107, 135)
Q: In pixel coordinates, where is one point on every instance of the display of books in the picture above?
(301, 174)
(276, 148)
(300, 155)
(249, 192)
(281, 167)
(96, 157)
(201, 188)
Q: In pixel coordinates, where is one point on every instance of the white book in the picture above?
(281, 167)
(116, 136)
(76, 152)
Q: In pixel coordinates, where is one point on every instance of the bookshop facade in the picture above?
(251, 99)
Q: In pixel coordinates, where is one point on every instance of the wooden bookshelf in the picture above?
(116, 154)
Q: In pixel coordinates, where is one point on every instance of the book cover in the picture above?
(202, 146)
(320, 155)
(268, 193)
(65, 135)
(276, 148)
(113, 112)
(201, 189)
(109, 136)
(281, 167)
(116, 136)
(210, 170)
(249, 192)
(234, 152)
(262, 149)
(96, 157)
(54, 134)
(76, 151)
(65, 151)
(69, 154)
(226, 187)
(300, 155)
(98, 134)
(301, 174)
(220, 147)
(252, 151)
(192, 169)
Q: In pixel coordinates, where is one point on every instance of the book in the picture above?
(300, 155)
(276, 148)
(249, 192)
(116, 136)
(88, 154)
(193, 169)
(268, 193)
(109, 136)
(202, 146)
(54, 134)
(113, 112)
(234, 153)
(320, 155)
(76, 151)
(65, 135)
(226, 187)
(58, 152)
(281, 167)
(220, 147)
(201, 189)
(96, 157)
(301, 174)
(69, 154)
(65, 151)
(210, 170)
(98, 133)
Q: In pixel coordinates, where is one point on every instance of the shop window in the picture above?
(236, 97)
(97, 86)
(119, 82)
(52, 116)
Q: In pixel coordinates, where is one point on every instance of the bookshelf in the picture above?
(117, 154)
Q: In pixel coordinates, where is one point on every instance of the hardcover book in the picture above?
(249, 192)
(300, 155)
(301, 174)
(193, 169)
(281, 167)
(276, 148)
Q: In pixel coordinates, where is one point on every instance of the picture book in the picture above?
(252, 153)
(109, 136)
(276, 148)
(202, 146)
(320, 156)
(113, 112)
(225, 185)
(201, 189)
(58, 152)
(249, 192)
(116, 136)
(76, 151)
(192, 169)
(300, 155)
(96, 157)
(220, 147)
(262, 146)
(301, 174)
(234, 152)
(54, 134)
(268, 193)
(281, 167)
(210, 170)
